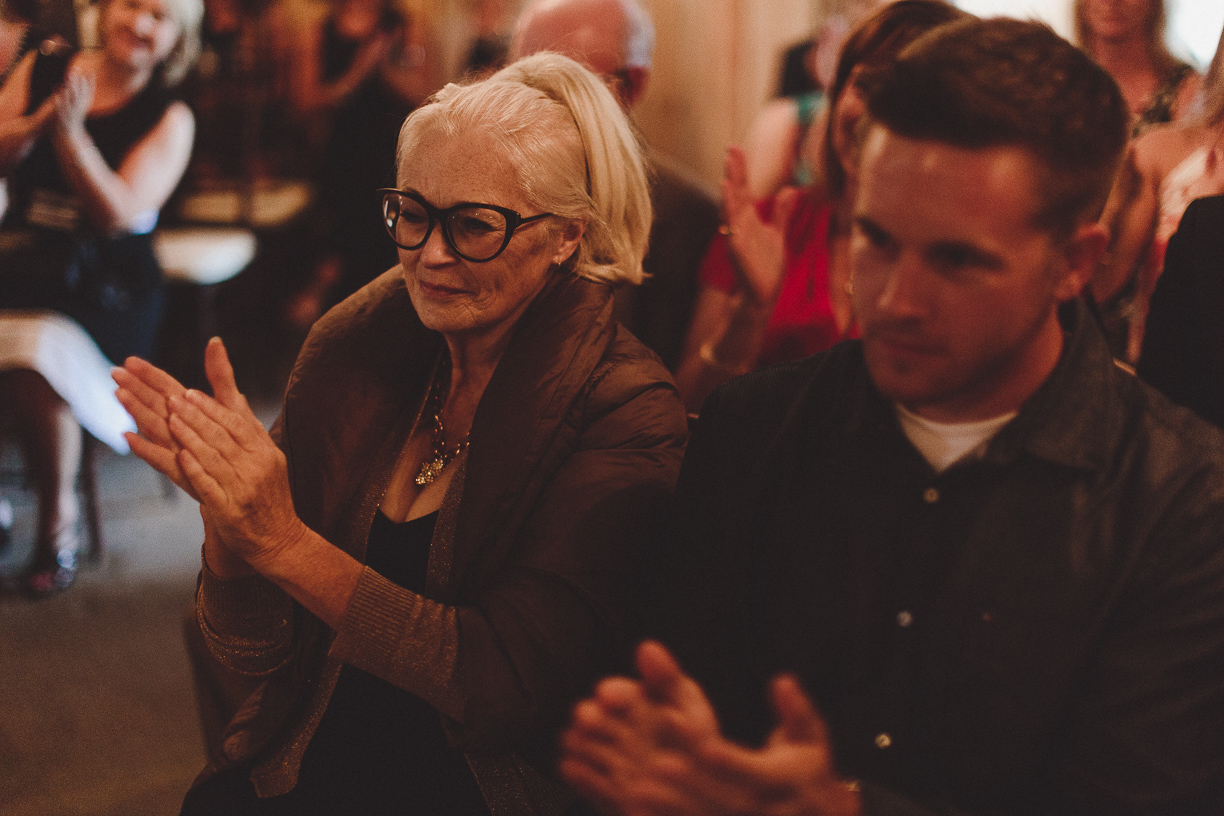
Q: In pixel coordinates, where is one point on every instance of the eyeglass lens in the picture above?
(475, 232)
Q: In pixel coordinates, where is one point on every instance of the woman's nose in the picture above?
(437, 250)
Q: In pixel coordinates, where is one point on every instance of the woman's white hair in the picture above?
(574, 151)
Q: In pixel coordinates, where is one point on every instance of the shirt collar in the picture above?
(1072, 419)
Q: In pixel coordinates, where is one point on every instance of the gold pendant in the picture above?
(430, 471)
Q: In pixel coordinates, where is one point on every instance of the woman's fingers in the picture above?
(241, 424)
(220, 375)
(219, 466)
(149, 422)
(162, 459)
(204, 486)
(153, 377)
(736, 195)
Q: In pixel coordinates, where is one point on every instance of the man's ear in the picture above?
(1082, 254)
(635, 85)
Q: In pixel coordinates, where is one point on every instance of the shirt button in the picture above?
(904, 618)
(882, 741)
(930, 495)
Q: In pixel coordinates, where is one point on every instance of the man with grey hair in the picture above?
(615, 39)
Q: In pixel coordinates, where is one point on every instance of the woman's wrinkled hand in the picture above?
(757, 245)
(231, 463)
(144, 391)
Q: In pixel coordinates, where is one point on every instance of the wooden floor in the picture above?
(97, 714)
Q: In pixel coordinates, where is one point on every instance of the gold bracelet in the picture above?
(709, 358)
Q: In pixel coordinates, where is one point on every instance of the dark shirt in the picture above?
(377, 744)
(1037, 632)
(1183, 342)
(686, 218)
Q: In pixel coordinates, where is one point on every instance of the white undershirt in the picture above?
(943, 444)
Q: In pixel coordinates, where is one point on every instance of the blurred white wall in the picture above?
(1194, 25)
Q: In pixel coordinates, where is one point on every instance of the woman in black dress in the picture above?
(91, 145)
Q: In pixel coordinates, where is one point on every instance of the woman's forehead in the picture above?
(466, 165)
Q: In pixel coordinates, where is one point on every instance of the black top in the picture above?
(55, 258)
(359, 158)
(1038, 632)
(1183, 344)
(378, 748)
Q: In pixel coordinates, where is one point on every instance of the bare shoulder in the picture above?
(1162, 148)
(178, 116)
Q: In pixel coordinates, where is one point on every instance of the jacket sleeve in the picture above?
(506, 666)
(247, 622)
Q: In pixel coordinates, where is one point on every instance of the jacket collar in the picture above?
(561, 339)
(1074, 418)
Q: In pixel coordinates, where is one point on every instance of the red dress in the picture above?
(802, 322)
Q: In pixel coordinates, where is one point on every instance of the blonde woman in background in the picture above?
(1127, 38)
(1164, 170)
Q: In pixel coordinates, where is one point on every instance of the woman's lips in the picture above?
(439, 290)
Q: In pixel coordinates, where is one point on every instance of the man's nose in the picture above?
(906, 289)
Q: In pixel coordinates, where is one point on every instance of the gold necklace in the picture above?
(440, 456)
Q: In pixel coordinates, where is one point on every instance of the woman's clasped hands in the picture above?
(216, 450)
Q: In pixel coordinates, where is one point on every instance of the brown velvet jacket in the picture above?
(577, 440)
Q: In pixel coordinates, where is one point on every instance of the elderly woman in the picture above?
(430, 556)
(91, 145)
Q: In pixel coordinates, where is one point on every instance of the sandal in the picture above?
(43, 581)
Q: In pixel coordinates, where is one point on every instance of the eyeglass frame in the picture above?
(439, 215)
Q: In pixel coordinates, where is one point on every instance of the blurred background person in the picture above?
(431, 555)
(1164, 170)
(91, 145)
(1127, 38)
(18, 32)
(783, 143)
(774, 284)
(357, 71)
(491, 22)
(615, 39)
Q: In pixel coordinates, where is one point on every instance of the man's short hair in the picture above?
(1003, 82)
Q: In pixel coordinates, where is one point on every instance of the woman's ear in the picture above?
(568, 239)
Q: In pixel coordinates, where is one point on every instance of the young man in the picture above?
(983, 566)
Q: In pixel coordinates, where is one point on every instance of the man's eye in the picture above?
(877, 237)
(958, 257)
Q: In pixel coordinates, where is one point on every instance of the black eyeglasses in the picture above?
(476, 232)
